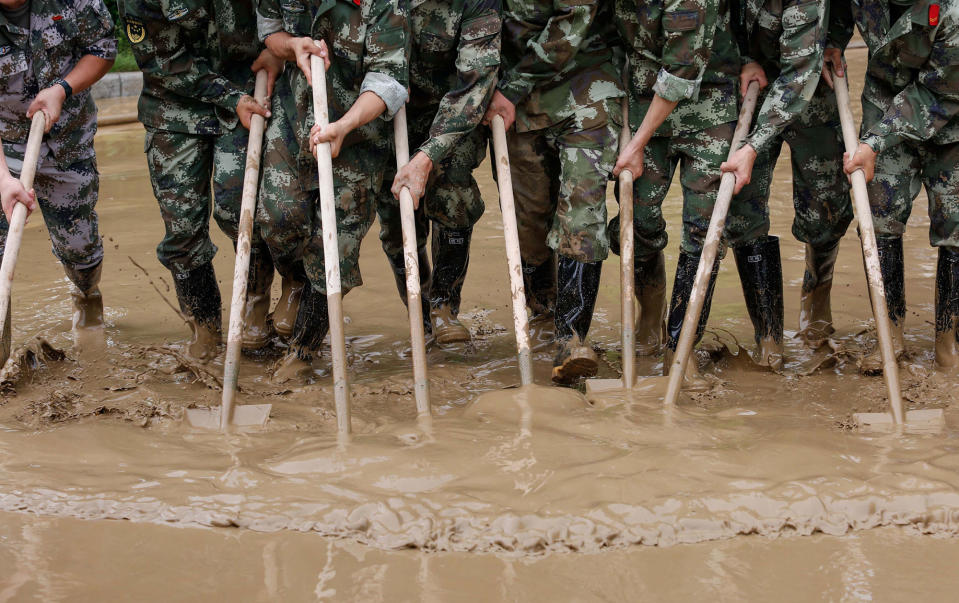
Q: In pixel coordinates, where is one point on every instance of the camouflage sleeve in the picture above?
(841, 24)
(549, 51)
(386, 60)
(161, 43)
(689, 27)
(801, 46)
(477, 61)
(96, 30)
(269, 18)
(929, 102)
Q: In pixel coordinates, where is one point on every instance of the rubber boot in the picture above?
(760, 271)
(891, 266)
(575, 300)
(650, 283)
(398, 264)
(256, 330)
(310, 329)
(815, 313)
(291, 290)
(682, 289)
(199, 297)
(539, 282)
(947, 308)
(87, 300)
(451, 258)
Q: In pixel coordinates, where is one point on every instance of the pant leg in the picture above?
(388, 213)
(534, 165)
(702, 153)
(181, 166)
(453, 198)
(896, 185)
(940, 174)
(649, 192)
(748, 219)
(229, 168)
(586, 148)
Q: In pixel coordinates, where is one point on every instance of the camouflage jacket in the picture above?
(60, 34)
(787, 38)
(454, 59)
(559, 57)
(681, 50)
(369, 44)
(195, 56)
(912, 81)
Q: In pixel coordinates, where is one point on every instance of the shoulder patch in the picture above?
(136, 31)
(178, 13)
(5, 50)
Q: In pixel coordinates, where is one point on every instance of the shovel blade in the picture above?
(245, 415)
(921, 421)
(644, 386)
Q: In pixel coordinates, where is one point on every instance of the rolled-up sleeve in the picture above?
(96, 30)
(391, 92)
(387, 54)
(269, 19)
(689, 26)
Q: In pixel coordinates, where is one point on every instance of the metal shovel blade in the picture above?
(644, 386)
(921, 421)
(244, 415)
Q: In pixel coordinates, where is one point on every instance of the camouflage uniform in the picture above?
(67, 182)
(911, 119)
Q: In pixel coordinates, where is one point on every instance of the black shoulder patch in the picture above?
(686, 20)
(136, 31)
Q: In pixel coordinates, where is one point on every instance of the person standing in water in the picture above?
(454, 60)
(198, 61)
(51, 52)
(683, 70)
(559, 95)
(910, 139)
(782, 42)
(366, 46)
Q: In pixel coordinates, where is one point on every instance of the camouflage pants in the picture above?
(820, 188)
(901, 171)
(700, 155)
(560, 176)
(182, 167)
(452, 197)
(67, 197)
(289, 208)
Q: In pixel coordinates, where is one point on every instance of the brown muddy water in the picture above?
(515, 493)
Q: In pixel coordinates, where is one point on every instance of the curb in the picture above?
(115, 85)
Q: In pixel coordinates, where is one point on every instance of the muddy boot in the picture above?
(87, 301)
(761, 274)
(451, 258)
(815, 314)
(891, 266)
(398, 265)
(291, 289)
(575, 299)
(947, 308)
(199, 297)
(539, 282)
(650, 282)
(256, 331)
(310, 329)
(682, 289)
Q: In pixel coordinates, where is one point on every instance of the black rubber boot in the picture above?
(682, 289)
(761, 274)
(575, 300)
(815, 314)
(539, 281)
(87, 300)
(894, 283)
(451, 258)
(398, 265)
(649, 276)
(199, 297)
(947, 308)
(256, 330)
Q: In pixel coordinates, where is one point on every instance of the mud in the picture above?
(522, 472)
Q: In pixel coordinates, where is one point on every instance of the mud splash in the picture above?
(522, 471)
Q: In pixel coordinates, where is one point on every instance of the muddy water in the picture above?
(520, 472)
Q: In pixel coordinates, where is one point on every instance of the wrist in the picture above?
(62, 89)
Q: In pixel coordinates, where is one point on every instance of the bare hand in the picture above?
(413, 176)
(833, 63)
(741, 165)
(11, 193)
(272, 64)
(631, 158)
(502, 106)
(303, 49)
(752, 72)
(50, 101)
(864, 159)
(247, 107)
(333, 134)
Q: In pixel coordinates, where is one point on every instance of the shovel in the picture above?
(511, 234)
(421, 386)
(228, 413)
(717, 223)
(921, 419)
(15, 233)
(331, 252)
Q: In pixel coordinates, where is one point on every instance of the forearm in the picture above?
(657, 113)
(367, 107)
(88, 71)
